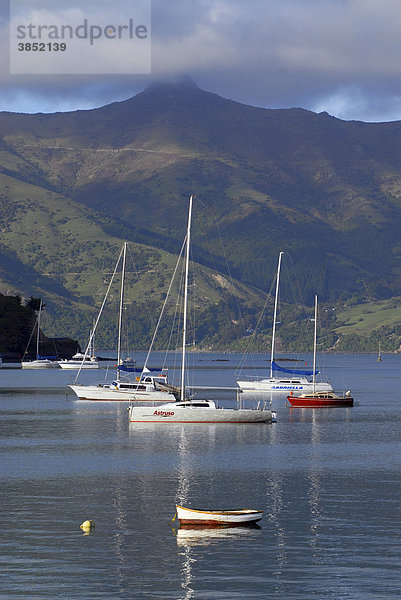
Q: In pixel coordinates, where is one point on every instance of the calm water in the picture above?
(327, 479)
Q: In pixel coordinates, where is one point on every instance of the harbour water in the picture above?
(328, 480)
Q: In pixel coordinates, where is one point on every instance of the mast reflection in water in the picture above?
(328, 481)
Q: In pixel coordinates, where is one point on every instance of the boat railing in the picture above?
(252, 378)
(262, 403)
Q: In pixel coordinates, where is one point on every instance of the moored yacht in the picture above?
(150, 387)
(79, 361)
(320, 400)
(288, 379)
(146, 387)
(283, 384)
(317, 398)
(198, 411)
(40, 362)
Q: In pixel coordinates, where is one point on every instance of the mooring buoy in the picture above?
(87, 525)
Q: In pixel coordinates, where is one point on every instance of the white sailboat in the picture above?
(40, 362)
(86, 360)
(195, 411)
(289, 379)
(79, 360)
(147, 387)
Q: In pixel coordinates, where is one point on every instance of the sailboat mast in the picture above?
(91, 344)
(120, 318)
(38, 331)
(275, 313)
(314, 347)
(184, 325)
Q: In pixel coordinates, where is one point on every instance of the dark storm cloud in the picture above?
(342, 56)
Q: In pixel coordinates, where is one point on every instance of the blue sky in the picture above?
(341, 56)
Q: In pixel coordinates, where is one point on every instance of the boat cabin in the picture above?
(158, 379)
(195, 404)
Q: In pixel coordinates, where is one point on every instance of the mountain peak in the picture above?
(183, 82)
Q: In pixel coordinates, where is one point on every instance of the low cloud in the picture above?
(342, 56)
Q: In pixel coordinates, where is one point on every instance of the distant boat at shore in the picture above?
(79, 361)
(40, 362)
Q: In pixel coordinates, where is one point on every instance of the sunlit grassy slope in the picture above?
(73, 186)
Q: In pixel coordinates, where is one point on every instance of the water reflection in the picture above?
(315, 508)
(314, 492)
(193, 443)
(205, 536)
(275, 504)
(283, 509)
(120, 501)
(187, 576)
(322, 476)
(257, 399)
(195, 544)
(184, 468)
(182, 496)
(191, 539)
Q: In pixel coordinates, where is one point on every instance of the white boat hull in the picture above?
(169, 414)
(76, 364)
(216, 518)
(274, 384)
(110, 394)
(39, 364)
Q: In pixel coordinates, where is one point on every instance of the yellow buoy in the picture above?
(87, 525)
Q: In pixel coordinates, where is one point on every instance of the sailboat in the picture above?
(40, 362)
(290, 379)
(317, 399)
(195, 411)
(148, 386)
(79, 360)
(86, 360)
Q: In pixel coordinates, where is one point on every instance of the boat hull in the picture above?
(280, 385)
(78, 365)
(315, 402)
(218, 518)
(109, 394)
(39, 364)
(152, 414)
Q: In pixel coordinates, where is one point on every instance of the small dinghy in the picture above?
(218, 518)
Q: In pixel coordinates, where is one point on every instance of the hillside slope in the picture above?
(324, 190)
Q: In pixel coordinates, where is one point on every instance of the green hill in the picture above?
(74, 185)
